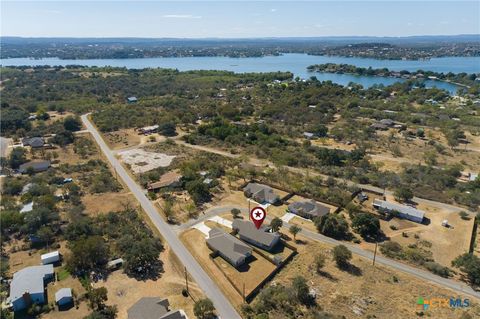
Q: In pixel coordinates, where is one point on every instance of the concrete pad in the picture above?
(287, 217)
(221, 221)
(203, 228)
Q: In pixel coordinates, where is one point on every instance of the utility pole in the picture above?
(375, 253)
(186, 279)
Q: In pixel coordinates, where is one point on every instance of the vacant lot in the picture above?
(141, 161)
(107, 202)
(124, 291)
(368, 292)
(122, 138)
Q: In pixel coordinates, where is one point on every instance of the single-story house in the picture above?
(50, 258)
(170, 179)
(402, 211)
(33, 142)
(149, 129)
(261, 193)
(64, 297)
(154, 308)
(257, 237)
(229, 247)
(28, 286)
(37, 166)
(387, 122)
(308, 209)
(27, 208)
(132, 99)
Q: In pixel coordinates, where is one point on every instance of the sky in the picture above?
(237, 19)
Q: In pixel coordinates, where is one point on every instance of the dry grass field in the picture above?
(107, 202)
(122, 138)
(377, 293)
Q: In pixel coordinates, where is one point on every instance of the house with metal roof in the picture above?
(50, 258)
(229, 247)
(261, 193)
(247, 231)
(36, 166)
(28, 286)
(64, 297)
(27, 208)
(132, 99)
(308, 209)
(154, 308)
(402, 211)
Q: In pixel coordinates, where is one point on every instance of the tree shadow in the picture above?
(327, 275)
(351, 269)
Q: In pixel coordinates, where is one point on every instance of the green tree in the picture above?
(332, 225)
(276, 223)
(72, 124)
(342, 255)
(97, 297)
(235, 212)
(301, 289)
(470, 265)
(403, 193)
(294, 230)
(204, 309)
(199, 191)
(17, 157)
(320, 261)
(367, 225)
(87, 254)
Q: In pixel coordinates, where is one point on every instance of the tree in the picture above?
(204, 309)
(294, 230)
(45, 234)
(72, 124)
(168, 129)
(235, 212)
(87, 254)
(301, 289)
(320, 261)
(276, 223)
(470, 265)
(97, 297)
(332, 225)
(368, 226)
(342, 255)
(403, 193)
(17, 157)
(199, 191)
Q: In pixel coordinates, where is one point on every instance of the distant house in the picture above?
(257, 237)
(50, 258)
(387, 122)
(36, 166)
(132, 99)
(229, 247)
(170, 179)
(28, 286)
(27, 208)
(309, 135)
(64, 297)
(154, 308)
(149, 129)
(261, 193)
(401, 211)
(33, 142)
(308, 209)
(379, 126)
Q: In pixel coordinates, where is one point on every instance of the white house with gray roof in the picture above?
(406, 212)
(257, 237)
(28, 286)
(308, 209)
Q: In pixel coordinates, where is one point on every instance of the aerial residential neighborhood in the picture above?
(278, 159)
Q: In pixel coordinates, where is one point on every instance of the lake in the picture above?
(295, 63)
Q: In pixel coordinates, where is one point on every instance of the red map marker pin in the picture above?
(257, 215)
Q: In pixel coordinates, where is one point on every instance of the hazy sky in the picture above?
(237, 18)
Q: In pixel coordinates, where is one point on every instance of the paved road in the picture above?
(410, 270)
(223, 306)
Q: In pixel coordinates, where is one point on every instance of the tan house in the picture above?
(170, 179)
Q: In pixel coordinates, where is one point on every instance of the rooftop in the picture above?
(153, 308)
(399, 208)
(166, 179)
(63, 293)
(310, 207)
(230, 246)
(248, 230)
(29, 279)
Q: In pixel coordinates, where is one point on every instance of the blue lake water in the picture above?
(295, 63)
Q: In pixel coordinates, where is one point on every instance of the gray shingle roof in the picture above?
(261, 193)
(38, 166)
(247, 229)
(230, 246)
(29, 279)
(310, 207)
(153, 308)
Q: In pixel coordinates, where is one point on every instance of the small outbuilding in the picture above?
(115, 264)
(132, 99)
(64, 297)
(35, 166)
(50, 258)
